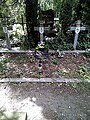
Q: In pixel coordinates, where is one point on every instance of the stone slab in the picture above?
(12, 116)
(44, 80)
(32, 51)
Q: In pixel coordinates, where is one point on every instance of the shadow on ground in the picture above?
(46, 101)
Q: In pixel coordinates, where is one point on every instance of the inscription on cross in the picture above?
(41, 30)
(77, 30)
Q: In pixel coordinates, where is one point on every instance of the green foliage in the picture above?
(83, 68)
(68, 16)
(1, 33)
(1, 67)
(81, 85)
(60, 44)
(3, 62)
(87, 54)
(46, 4)
(25, 44)
(11, 9)
(84, 72)
(54, 61)
(67, 12)
(53, 44)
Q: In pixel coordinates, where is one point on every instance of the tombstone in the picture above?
(77, 30)
(41, 30)
(48, 17)
(7, 37)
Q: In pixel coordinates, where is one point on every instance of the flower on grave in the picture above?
(40, 46)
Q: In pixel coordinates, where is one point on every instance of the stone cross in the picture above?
(7, 37)
(77, 30)
(41, 30)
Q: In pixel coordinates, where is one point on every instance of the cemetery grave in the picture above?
(43, 84)
(69, 65)
(38, 64)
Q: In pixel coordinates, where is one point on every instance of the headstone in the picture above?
(48, 17)
(41, 30)
(77, 30)
(5, 30)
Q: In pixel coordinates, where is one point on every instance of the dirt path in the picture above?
(46, 101)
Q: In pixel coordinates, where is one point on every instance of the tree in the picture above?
(66, 14)
(31, 20)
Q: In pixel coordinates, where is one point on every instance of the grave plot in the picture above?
(38, 64)
(69, 65)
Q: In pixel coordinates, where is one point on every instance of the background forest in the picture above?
(25, 13)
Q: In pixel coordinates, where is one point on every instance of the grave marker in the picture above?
(41, 30)
(77, 30)
(5, 30)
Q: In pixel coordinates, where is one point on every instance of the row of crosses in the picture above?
(43, 29)
(77, 30)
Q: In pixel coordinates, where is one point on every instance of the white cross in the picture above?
(77, 30)
(5, 30)
(41, 30)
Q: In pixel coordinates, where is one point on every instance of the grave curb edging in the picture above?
(50, 51)
(44, 80)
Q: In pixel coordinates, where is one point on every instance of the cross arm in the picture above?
(72, 28)
(36, 28)
(83, 28)
(45, 28)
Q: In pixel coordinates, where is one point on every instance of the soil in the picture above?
(46, 101)
(70, 65)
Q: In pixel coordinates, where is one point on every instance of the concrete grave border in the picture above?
(50, 51)
(40, 80)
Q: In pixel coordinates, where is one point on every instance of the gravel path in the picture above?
(46, 101)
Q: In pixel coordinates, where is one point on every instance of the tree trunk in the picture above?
(31, 19)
